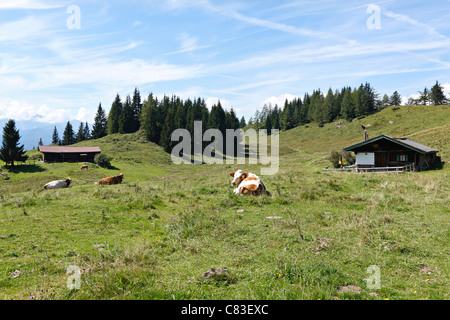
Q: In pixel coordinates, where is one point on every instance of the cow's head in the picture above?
(68, 181)
(238, 176)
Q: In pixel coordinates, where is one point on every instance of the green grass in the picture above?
(155, 235)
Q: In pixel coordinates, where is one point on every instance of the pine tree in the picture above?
(99, 127)
(395, 99)
(40, 143)
(437, 95)
(357, 100)
(368, 99)
(385, 100)
(68, 135)
(136, 105)
(347, 109)
(180, 114)
(80, 134)
(167, 129)
(55, 137)
(113, 124)
(10, 150)
(315, 108)
(327, 107)
(217, 119)
(126, 121)
(87, 132)
(286, 116)
(242, 123)
(232, 121)
(151, 119)
(424, 96)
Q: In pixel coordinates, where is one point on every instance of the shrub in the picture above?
(347, 157)
(102, 160)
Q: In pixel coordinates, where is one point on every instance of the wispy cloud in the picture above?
(28, 28)
(29, 4)
(406, 19)
(188, 43)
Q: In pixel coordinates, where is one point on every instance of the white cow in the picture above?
(248, 183)
(58, 184)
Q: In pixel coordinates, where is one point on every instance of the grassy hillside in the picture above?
(154, 236)
(429, 125)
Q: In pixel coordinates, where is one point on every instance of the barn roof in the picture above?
(63, 149)
(408, 143)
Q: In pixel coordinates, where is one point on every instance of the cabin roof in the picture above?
(408, 143)
(63, 149)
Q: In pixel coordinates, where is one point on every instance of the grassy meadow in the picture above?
(155, 235)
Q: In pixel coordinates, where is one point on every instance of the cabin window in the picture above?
(402, 157)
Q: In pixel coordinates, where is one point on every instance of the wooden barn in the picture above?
(68, 154)
(384, 151)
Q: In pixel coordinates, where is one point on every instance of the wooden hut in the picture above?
(68, 154)
(385, 151)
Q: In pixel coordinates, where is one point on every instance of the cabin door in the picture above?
(380, 159)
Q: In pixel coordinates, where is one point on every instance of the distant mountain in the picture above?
(31, 131)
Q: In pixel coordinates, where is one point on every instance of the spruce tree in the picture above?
(55, 137)
(437, 95)
(80, 134)
(10, 150)
(40, 143)
(114, 116)
(347, 109)
(395, 99)
(242, 123)
(68, 135)
(167, 129)
(99, 127)
(126, 122)
(327, 107)
(87, 132)
(151, 119)
(136, 105)
(424, 96)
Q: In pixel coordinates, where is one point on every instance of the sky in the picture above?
(60, 59)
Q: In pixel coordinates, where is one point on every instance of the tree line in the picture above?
(158, 119)
(346, 103)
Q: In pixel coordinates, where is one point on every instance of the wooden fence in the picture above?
(408, 167)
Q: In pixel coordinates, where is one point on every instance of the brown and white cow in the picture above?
(248, 183)
(58, 184)
(111, 180)
(84, 167)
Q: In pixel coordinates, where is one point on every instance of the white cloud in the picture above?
(446, 88)
(279, 100)
(85, 115)
(214, 101)
(24, 29)
(403, 18)
(109, 72)
(22, 110)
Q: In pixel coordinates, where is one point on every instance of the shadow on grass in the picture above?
(26, 168)
(438, 165)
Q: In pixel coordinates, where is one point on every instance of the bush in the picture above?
(102, 160)
(347, 157)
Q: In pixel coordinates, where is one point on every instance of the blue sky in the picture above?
(245, 53)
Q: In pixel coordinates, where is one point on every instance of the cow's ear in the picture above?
(232, 174)
(244, 175)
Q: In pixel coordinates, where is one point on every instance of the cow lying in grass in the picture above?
(248, 183)
(111, 180)
(58, 184)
